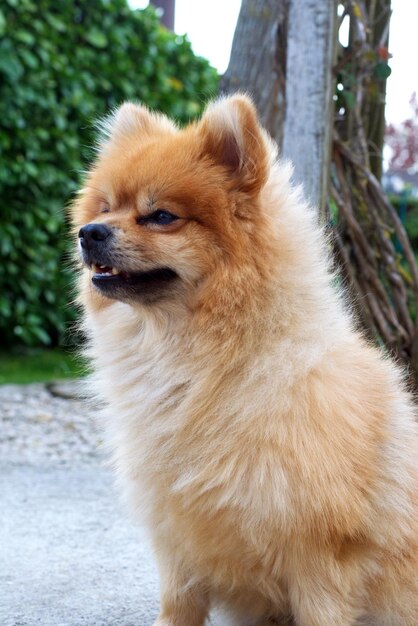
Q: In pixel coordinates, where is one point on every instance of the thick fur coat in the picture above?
(270, 450)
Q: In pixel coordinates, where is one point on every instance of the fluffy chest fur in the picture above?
(240, 468)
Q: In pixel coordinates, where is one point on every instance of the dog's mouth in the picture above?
(105, 271)
(118, 284)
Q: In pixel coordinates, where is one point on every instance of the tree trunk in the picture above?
(258, 60)
(168, 8)
(309, 91)
(282, 55)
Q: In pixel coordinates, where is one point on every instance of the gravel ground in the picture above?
(39, 427)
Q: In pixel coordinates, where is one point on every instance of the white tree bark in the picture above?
(309, 90)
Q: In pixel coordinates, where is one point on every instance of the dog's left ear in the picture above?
(232, 137)
(135, 121)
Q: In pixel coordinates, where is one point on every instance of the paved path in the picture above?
(68, 556)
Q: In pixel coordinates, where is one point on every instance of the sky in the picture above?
(403, 45)
(210, 28)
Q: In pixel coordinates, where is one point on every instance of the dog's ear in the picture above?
(132, 120)
(232, 137)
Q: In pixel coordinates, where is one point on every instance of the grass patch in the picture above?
(36, 366)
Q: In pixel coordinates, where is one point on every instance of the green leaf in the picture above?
(2, 23)
(42, 335)
(96, 38)
(382, 70)
(349, 98)
(56, 23)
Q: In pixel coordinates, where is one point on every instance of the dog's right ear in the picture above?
(132, 120)
(233, 138)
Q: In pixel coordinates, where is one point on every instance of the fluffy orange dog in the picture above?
(270, 449)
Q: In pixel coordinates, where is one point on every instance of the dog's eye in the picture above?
(105, 210)
(160, 218)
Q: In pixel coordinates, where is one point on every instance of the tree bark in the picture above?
(258, 60)
(283, 55)
(308, 124)
(168, 8)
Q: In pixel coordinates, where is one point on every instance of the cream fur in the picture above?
(268, 448)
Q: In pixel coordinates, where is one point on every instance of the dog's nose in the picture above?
(93, 233)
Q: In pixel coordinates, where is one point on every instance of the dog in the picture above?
(268, 447)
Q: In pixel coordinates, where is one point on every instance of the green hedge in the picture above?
(408, 212)
(62, 65)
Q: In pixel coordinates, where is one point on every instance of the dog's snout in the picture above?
(93, 233)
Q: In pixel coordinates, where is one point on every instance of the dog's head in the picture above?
(163, 210)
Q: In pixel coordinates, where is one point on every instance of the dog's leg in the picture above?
(183, 602)
(182, 608)
(255, 611)
(327, 592)
(322, 611)
(323, 608)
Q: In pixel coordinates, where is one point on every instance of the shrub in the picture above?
(63, 65)
(407, 208)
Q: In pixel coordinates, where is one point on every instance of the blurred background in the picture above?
(65, 64)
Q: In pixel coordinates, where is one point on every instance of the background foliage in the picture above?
(62, 65)
(403, 141)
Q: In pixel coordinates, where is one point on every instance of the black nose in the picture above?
(93, 233)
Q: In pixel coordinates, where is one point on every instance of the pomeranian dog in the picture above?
(270, 450)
